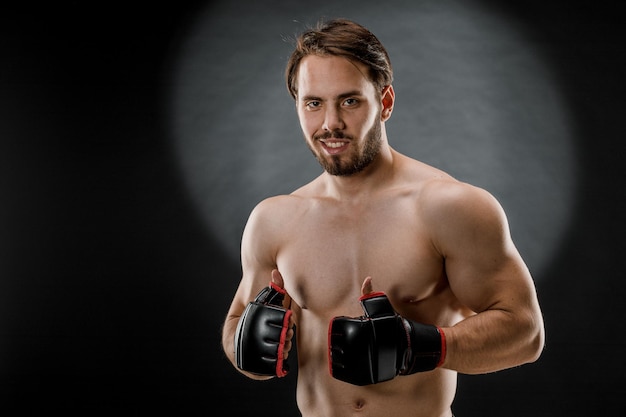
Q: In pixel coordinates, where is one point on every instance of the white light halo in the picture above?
(483, 106)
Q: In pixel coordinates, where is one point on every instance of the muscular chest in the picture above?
(330, 251)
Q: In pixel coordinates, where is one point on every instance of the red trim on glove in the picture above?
(277, 288)
(280, 372)
(442, 357)
(371, 295)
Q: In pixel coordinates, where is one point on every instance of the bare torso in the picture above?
(325, 248)
(376, 220)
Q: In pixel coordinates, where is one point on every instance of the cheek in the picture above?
(308, 122)
(368, 120)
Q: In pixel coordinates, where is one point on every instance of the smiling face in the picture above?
(341, 113)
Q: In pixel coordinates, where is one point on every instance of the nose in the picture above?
(333, 120)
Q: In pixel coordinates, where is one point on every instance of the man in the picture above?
(395, 275)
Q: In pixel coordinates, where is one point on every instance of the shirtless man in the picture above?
(379, 225)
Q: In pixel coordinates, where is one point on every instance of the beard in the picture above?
(358, 162)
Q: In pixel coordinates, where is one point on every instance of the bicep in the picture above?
(258, 255)
(484, 268)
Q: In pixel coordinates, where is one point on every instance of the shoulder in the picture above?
(446, 194)
(286, 206)
(265, 229)
(277, 213)
(460, 211)
(274, 210)
(440, 194)
(271, 204)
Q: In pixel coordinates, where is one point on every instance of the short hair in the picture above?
(344, 38)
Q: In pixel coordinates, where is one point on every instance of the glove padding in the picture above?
(261, 332)
(381, 344)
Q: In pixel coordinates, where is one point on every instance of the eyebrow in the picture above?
(340, 96)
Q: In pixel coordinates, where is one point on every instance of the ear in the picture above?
(387, 98)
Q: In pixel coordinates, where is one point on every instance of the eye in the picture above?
(351, 102)
(312, 104)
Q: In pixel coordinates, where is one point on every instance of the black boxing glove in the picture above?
(381, 344)
(261, 332)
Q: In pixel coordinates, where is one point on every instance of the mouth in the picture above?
(334, 146)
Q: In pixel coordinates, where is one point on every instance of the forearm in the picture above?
(493, 340)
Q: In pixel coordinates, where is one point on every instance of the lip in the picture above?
(333, 150)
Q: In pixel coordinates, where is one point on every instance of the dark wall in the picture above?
(112, 292)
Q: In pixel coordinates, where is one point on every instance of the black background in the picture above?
(112, 294)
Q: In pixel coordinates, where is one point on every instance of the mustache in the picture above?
(332, 135)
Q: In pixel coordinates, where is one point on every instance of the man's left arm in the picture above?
(487, 274)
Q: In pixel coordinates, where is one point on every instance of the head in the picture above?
(341, 37)
(340, 76)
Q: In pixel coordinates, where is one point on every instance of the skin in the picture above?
(439, 248)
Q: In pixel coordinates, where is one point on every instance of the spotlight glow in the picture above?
(472, 97)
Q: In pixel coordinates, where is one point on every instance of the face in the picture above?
(340, 113)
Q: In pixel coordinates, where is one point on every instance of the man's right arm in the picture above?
(258, 251)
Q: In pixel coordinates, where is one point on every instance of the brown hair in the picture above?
(341, 37)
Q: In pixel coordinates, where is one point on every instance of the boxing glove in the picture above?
(260, 334)
(381, 344)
